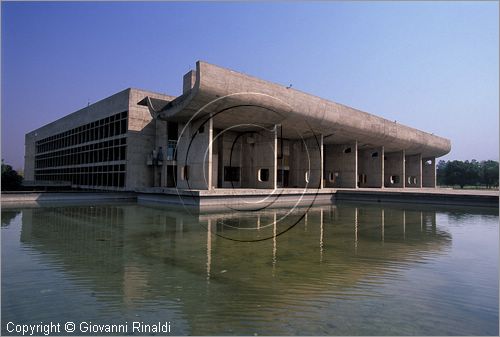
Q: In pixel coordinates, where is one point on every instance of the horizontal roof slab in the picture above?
(233, 99)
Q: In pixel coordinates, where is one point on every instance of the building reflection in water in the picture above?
(104, 233)
(132, 254)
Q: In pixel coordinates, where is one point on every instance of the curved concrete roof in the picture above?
(233, 98)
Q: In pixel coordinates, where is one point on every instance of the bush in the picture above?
(11, 180)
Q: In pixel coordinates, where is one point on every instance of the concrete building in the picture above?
(229, 130)
(102, 146)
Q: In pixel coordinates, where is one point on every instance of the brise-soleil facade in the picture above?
(228, 130)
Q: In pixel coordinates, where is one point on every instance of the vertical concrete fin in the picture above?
(382, 164)
(188, 81)
(403, 177)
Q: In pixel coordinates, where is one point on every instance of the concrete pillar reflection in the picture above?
(356, 230)
(383, 224)
(404, 225)
(209, 249)
(321, 236)
(275, 248)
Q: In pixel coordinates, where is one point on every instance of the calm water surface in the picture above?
(345, 269)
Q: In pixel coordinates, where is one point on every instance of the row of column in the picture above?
(350, 167)
(260, 156)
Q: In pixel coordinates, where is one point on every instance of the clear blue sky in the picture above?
(429, 65)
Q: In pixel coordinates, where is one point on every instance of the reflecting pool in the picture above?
(342, 269)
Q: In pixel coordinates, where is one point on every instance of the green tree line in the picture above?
(468, 173)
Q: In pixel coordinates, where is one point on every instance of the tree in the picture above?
(472, 170)
(461, 173)
(441, 172)
(472, 173)
(489, 173)
(11, 180)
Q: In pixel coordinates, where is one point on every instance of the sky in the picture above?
(429, 65)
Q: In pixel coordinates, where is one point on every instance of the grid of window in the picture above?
(110, 150)
(104, 128)
(90, 155)
(102, 175)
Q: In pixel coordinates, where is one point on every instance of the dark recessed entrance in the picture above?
(282, 177)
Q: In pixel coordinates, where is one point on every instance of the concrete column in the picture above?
(210, 134)
(394, 169)
(356, 167)
(429, 172)
(340, 165)
(403, 177)
(371, 167)
(322, 164)
(413, 170)
(274, 169)
(382, 164)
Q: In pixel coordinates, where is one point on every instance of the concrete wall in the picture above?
(141, 142)
(259, 152)
(429, 172)
(29, 157)
(306, 158)
(145, 134)
(394, 169)
(371, 167)
(160, 173)
(225, 158)
(413, 171)
(197, 156)
(284, 161)
(188, 81)
(340, 167)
